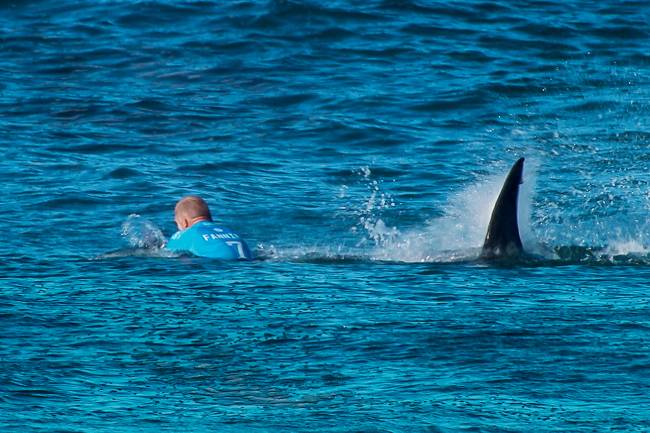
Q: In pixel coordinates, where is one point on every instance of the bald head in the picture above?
(190, 210)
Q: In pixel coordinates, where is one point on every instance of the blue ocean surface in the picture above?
(358, 147)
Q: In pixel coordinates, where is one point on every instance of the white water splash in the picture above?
(624, 247)
(632, 241)
(145, 239)
(142, 233)
(368, 214)
(458, 234)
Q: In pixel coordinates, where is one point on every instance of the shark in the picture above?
(502, 239)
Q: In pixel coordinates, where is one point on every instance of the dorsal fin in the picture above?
(502, 238)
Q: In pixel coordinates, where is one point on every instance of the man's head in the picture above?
(190, 210)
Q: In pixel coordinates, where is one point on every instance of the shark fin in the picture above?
(502, 238)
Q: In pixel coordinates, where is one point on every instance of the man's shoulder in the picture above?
(183, 239)
(208, 239)
(178, 241)
(211, 227)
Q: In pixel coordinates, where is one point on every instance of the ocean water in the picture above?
(359, 148)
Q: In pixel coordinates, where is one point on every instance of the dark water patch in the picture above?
(473, 56)
(597, 82)
(65, 135)
(151, 13)
(605, 51)
(70, 58)
(620, 32)
(35, 393)
(197, 121)
(453, 12)
(235, 67)
(447, 104)
(512, 89)
(453, 124)
(419, 7)
(363, 135)
(329, 152)
(228, 166)
(557, 55)
(626, 21)
(447, 143)
(104, 53)
(437, 31)
(385, 102)
(96, 148)
(588, 106)
(21, 42)
(227, 138)
(493, 7)
(160, 132)
(332, 34)
(52, 41)
(70, 202)
(39, 9)
(89, 30)
(281, 12)
(123, 173)
(72, 114)
(66, 167)
(536, 68)
(285, 100)
(546, 49)
(634, 59)
(136, 62)
(546, 30)
(64, 70)
(224, 46)
(150, 104)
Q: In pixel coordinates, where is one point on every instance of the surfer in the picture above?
(199, 235)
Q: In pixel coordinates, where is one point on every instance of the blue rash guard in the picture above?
(207, 239)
